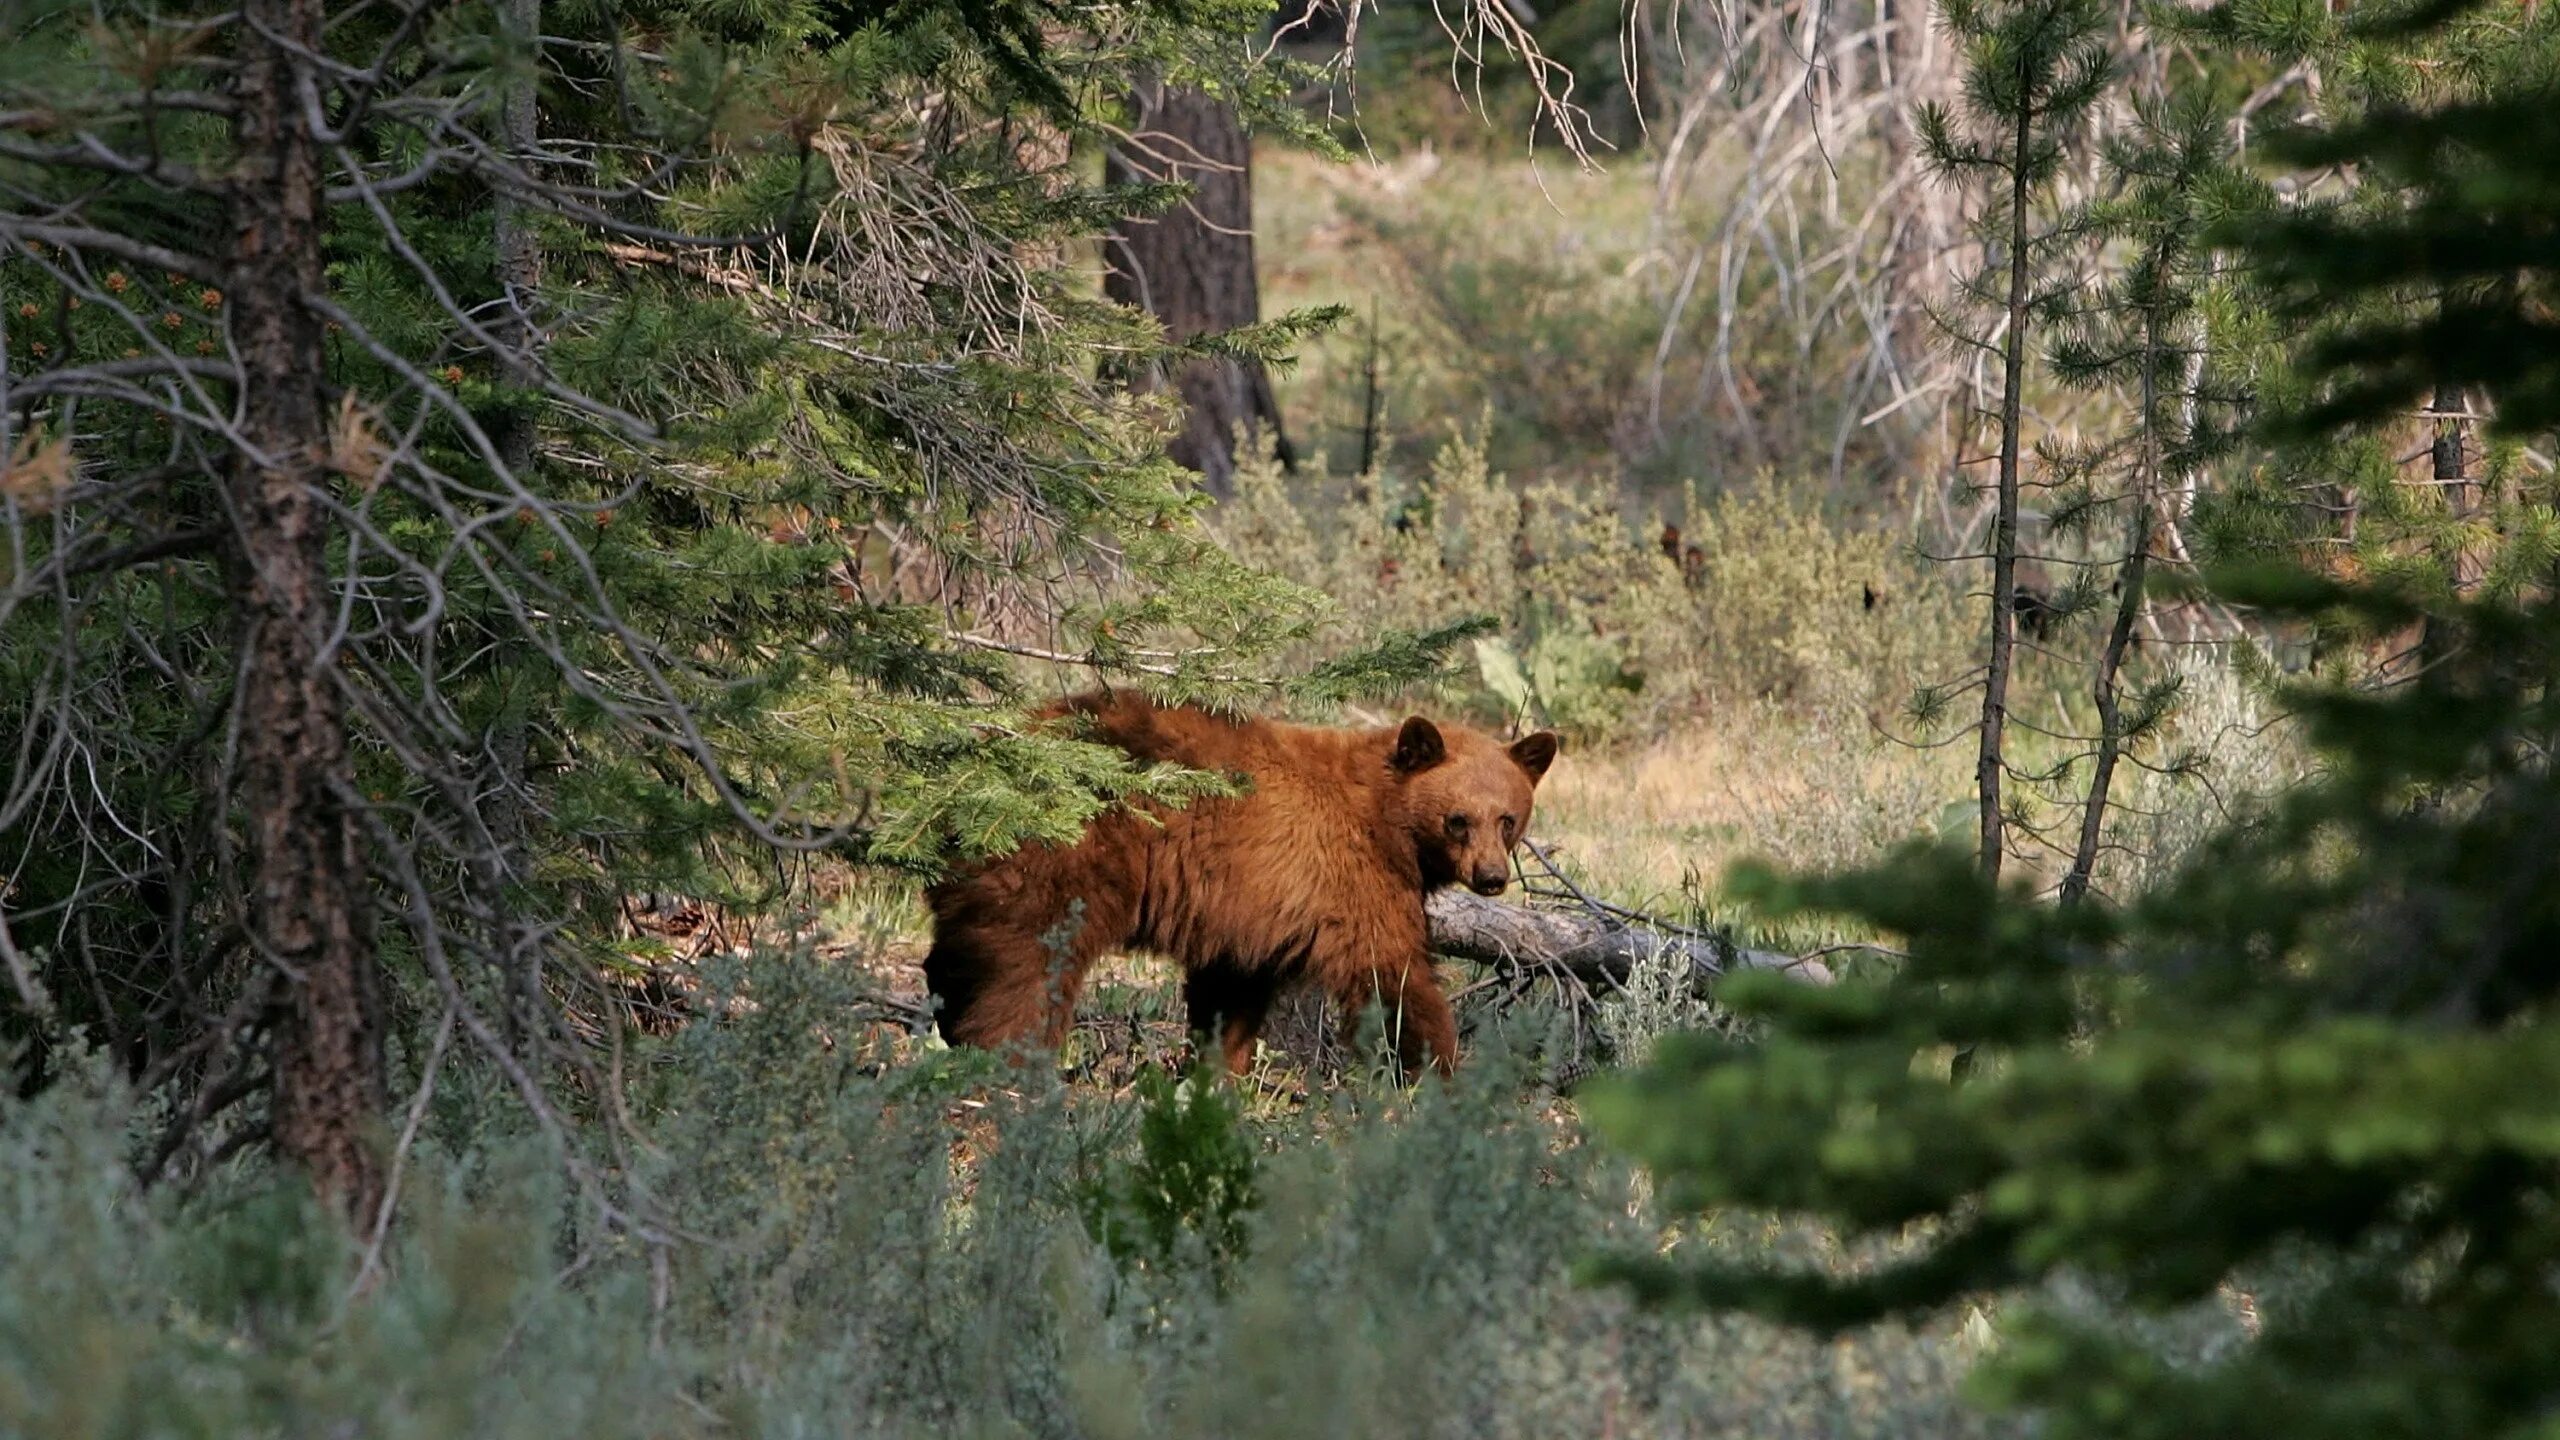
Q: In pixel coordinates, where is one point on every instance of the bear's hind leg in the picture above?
(1000, 983)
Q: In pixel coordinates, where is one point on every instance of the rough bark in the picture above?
(519, 254)
(1466, 926)
(307, 913)
(1192, 268)
(1515, 939)
(515, 433)
(2450, 453)
(2461, 493)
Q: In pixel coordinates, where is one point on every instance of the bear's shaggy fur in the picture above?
(1318, 873)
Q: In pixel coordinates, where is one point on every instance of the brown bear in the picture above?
(1317, 873)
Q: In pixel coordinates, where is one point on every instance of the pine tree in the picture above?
(1192, 267)
(2318, 1063)
(2140, 336)
(2416, 327)
(429, 522)
(2033, 71)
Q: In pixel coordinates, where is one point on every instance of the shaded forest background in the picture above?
(532, 528)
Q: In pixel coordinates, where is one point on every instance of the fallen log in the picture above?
(1595, 946)
(1589, 946)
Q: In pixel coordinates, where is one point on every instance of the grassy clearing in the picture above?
(1659, 819)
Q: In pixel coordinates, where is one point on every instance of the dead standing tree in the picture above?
(1794, 216)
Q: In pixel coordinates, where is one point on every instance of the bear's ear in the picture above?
(1535, 753)
(1418, 746)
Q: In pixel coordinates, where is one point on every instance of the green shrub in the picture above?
(872, 1250)
(1191, 1181)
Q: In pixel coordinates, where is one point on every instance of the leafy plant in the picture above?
(1191, 1182)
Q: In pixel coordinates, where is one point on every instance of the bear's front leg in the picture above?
(1417, 1014)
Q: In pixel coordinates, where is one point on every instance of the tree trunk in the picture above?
(1192, 268)
(2461, 493)
(1465, 926)
(519, 279)
(519, 256)
(2449, 451)
(307, 912)
(1988, 763)
(2129, 581)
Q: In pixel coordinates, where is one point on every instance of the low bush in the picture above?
(854, 1248)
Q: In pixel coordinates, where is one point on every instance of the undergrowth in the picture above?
(907, 1251)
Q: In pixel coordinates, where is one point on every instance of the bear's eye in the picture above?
(1457, 825)
(1508, 826)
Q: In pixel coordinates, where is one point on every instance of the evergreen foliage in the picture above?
(2316, 1064)
(2386, 301)
(2440, 268)
(820, 459)
(1191, 1181)
(2314, 1067)
(729, 528)
(2138, 333)
(2034, 72)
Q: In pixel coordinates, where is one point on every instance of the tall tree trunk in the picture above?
(2461, 495)
(1990, 764)
(2110, 692)
(1192, 268)
(307, 913)
(519, 256)
(519, 278)
(2004, 534)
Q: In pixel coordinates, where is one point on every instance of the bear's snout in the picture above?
(1490, 882)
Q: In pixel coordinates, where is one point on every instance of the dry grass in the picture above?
(1656, 821)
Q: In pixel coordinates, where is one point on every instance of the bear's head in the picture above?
(1464, 798)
